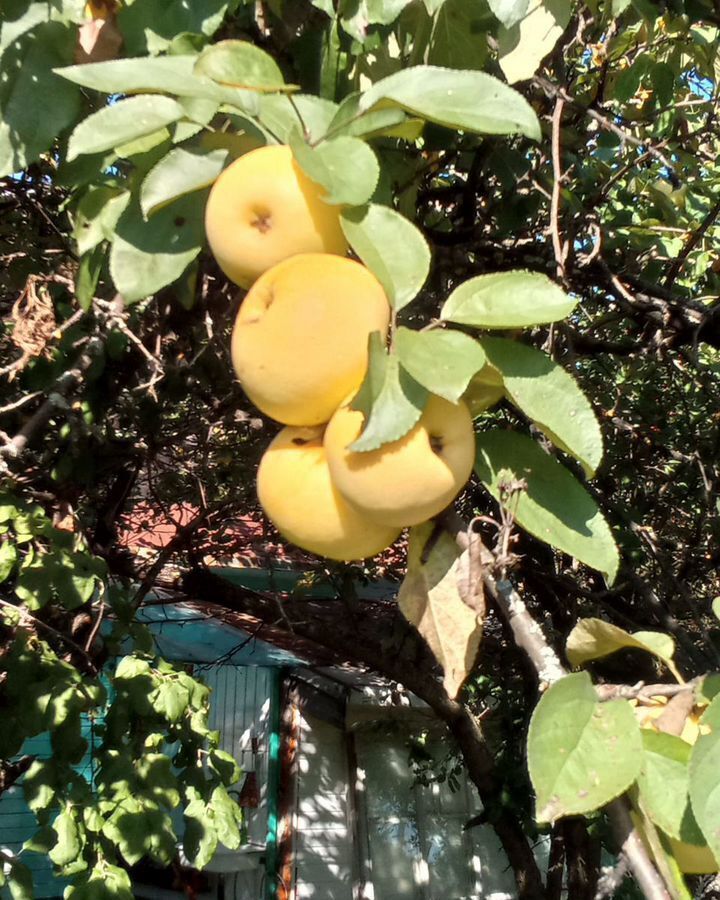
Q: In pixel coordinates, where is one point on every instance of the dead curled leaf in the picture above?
(436, 597)
(99, 40)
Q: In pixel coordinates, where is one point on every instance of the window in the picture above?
(415, 845)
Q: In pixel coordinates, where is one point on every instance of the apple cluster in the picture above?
(299, 349)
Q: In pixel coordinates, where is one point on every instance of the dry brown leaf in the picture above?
(430, 599)
(99, 40)
(673, 717)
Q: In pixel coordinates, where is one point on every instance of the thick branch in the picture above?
(529, 637)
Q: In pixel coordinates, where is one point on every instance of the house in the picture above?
(334, 810)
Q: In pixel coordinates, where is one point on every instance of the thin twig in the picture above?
(64, 384)
(28, 617)
(558, 249)
(690, 244)
(554, 90)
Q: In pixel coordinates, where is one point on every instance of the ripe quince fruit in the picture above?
(263, 209)
(299, 345)
(407, 481)
(295, 490)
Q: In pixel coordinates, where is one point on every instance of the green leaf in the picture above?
(166, 74)
(106, 882)
(555, 507)
(391, 400)
(42, 841)
(123, 122)
(69, 844)
(36, 104)
(550, 396)
(149, 27)
(389, 122)
(705, 777)
(240, 64)
(200, 838)
(171, 700)
(459, 36)
(345, 166)
(663, 783)
(139, 827)
(88, 275)
(391, 247)
(523, 47)
(225, 765)
(507, 300)
(592, 639)
(227, 817)
(444, 362)
(359, 14)
(662, 77)
(96, 215)
(39, 785)
(465, 100)
(581, 753)
(181, 172)
(148, 255)
(281, 117)
(509, 12)
(20, 881)
(8, 559)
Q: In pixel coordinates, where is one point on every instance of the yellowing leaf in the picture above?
(431, 600)
(592, 639)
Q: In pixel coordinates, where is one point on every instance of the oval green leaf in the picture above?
(164, 74)
(444, 362)
(555, 508)
(123, 122)
(180, 172)
(507, 300)
(550, 396)
(389, 398)
(581, 753)
(280, 117)
(148, 255)
(592, 639)
(705, 777)
(465, 100)
(345, 166)
(36, 105)
(240, 64)
(391, 247)
(388, 122)
(663, 783)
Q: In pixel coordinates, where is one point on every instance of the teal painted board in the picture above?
(18, 823)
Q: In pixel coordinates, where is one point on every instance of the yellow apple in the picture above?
(263, 209)
(299, 346)
(299, 498)
(410, 480)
